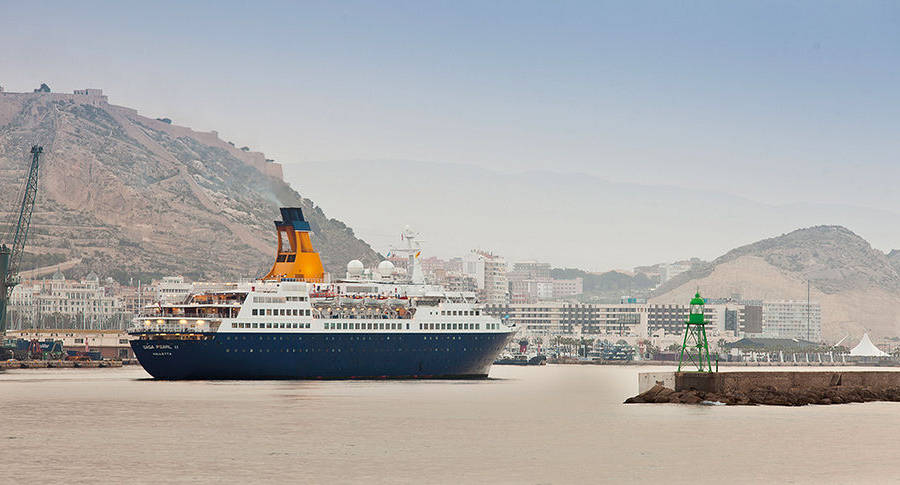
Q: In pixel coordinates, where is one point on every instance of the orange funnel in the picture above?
(296, 259)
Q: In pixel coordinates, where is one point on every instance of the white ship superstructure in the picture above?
(294, 324)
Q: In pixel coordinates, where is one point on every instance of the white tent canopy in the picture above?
(866, 348)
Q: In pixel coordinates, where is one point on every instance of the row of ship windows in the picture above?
(364, 326)
(277, 299)
(450, 326)
(461, 313)
(370, 326)
(270, 325)
(399, 326)
(351, 337)
(284, 312)
(291, 350)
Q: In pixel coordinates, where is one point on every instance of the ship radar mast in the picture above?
(411, 247)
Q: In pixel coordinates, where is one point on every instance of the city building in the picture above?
(134, 298)
(785, 319)
(563, 289)
(530, 282)
(445, 272)
(529, 290)
(460, 282)
(489, 271)
(531, 270)
(750, 319)
(532, 318)
(432, 264)
(792, 319)
(740, 317)
(58, 302)
(617, 319)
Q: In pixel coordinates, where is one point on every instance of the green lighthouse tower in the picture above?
(695, 349)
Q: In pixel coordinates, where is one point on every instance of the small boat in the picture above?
(521, 359)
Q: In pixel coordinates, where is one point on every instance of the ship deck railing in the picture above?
(172, 328)
(337, 313)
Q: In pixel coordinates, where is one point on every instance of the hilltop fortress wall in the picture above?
(95, 97)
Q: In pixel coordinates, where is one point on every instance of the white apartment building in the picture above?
(532, 318)
(473, 265)
(792, 319)
(779, 319)
(618, 319)
(489, 272)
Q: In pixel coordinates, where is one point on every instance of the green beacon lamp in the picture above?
(695, 348)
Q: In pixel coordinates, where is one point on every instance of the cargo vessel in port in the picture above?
(295, 324)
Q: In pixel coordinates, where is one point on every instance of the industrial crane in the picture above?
(12, 248)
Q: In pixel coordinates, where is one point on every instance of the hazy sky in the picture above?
(780, 101)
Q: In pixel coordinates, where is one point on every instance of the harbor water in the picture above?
(547, 424)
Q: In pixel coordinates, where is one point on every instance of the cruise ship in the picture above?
(295, 324)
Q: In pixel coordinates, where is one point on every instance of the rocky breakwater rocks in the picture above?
(768, 395)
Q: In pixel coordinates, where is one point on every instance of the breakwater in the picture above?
(783, 388)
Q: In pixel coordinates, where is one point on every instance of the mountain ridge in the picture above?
(857, 286)
(135, 196)
(787, 252)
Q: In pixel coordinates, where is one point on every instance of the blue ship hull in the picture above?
(319, 355)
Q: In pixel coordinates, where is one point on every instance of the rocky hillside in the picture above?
(131, 196)
(858, 286)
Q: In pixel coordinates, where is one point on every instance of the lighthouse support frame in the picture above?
(694, 347)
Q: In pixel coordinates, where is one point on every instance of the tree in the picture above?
(43, 89)
(585, 346)
(650, 350)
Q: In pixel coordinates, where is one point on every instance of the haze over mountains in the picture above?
(580, 221)
(570, 220)
(129, 196)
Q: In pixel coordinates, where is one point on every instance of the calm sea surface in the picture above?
(551, 424)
